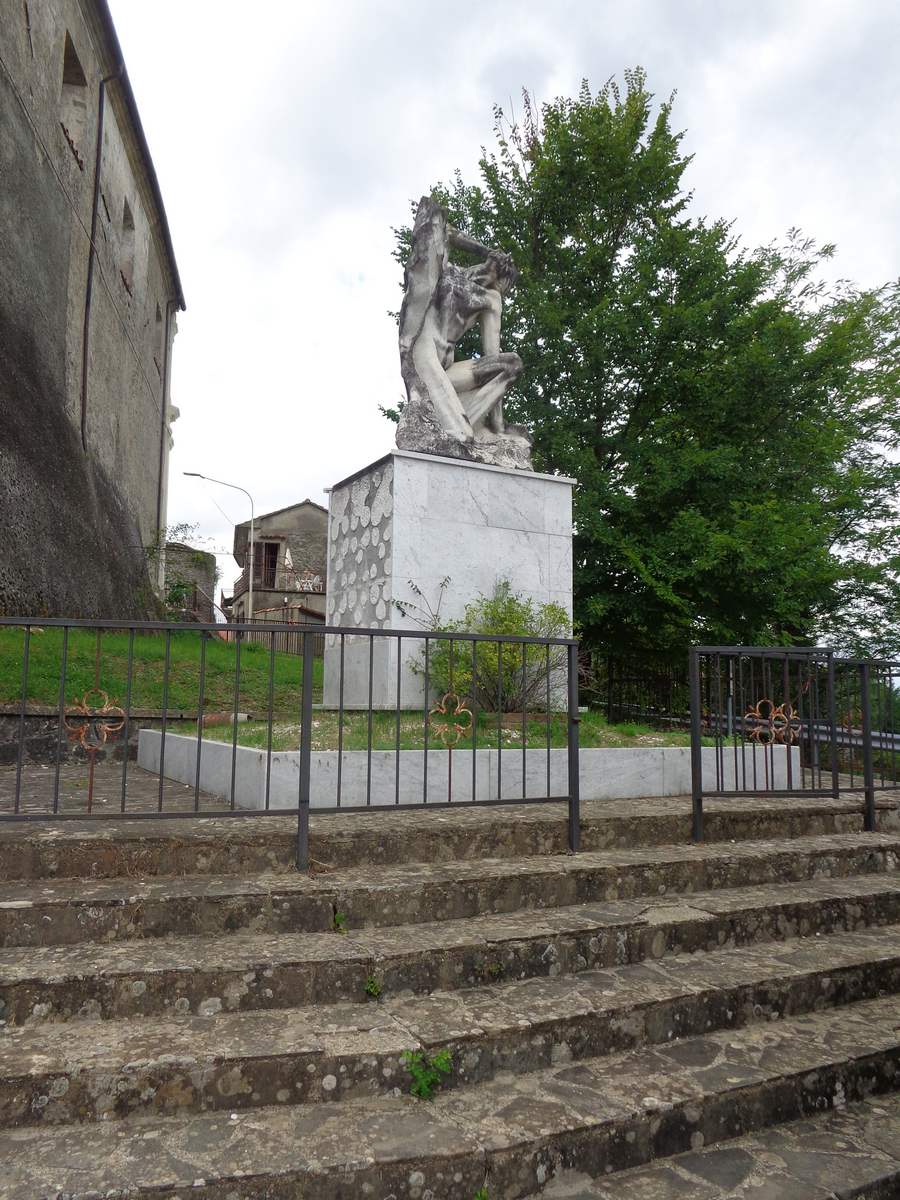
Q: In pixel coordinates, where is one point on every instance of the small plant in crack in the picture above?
(427, 1072)
(481, 1194)
(373, 988)
(340, 922)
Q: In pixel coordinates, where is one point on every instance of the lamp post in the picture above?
(222, 483)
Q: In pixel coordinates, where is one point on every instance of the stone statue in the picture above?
(456, 408)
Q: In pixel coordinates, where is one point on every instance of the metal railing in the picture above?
(290, 639)
(106, 720)
(648, 689)
(792, 721)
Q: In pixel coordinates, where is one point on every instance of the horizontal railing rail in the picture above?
(111, 719)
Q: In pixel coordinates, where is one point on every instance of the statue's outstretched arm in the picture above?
(462, 241)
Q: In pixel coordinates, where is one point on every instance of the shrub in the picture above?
(507, 676)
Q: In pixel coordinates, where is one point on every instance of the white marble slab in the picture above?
(605, 774)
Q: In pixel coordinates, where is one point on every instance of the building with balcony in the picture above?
(289, 560)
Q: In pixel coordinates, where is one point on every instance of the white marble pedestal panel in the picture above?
(418, 519)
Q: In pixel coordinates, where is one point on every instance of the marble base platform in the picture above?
(410, 521)
(604, 774)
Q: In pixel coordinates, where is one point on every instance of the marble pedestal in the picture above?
(416, 519)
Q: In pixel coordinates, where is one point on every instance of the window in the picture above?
(158, 342)
(126, 270)
(265, 563)
(73, 101)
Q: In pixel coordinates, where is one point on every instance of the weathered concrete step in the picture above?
(56, 912)
(206, 846)
(257, 970)
(96, 1069)
(852, 1153)
(510, 1135)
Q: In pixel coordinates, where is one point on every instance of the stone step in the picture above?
(180, 975)
(850, 1152)
(209, 846)
(63, 911)
(509, 1135)
(92, 1070)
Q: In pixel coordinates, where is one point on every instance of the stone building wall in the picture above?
(83, 465)
(192, 572)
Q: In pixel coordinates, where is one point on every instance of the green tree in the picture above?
(731, 418)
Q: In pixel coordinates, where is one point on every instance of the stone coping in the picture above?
(453, 462)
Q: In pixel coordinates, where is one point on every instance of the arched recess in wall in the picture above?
(126, 265)
(73, 100)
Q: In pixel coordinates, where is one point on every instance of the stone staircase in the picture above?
(184, 1015)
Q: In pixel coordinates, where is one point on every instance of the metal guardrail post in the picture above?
(865, 708)
(574, 761)
(832, 721)
(305, 755)
(696, 757)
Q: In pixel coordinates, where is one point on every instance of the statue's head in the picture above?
(497, 271)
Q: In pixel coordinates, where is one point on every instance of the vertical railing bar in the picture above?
(165, 715)
(769, 750)
(832, 722)
(755, 742)
(547, 669)
(811, 687)
(786, 686)
(397, 751)
(239, 635)
(732, 722)
(271, 708)
(306, 703)
(574, 764)
(127, 726)
(850, 747)
(868, 774)
(201, 702)
(426, 729)
(369, 721)
(696, 734)
(474, 704)
(524, 724)
(739, 721)
(720, 750)
(340, 760)
(817, 720)
(880, 677)
(499, 720)
(20, 752)
(890, 671)
(61, 719)
(811, 745)
(450, 746)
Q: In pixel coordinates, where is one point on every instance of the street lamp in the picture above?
(222, 483)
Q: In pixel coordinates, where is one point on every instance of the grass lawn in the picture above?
(45, 661)
(595, 732)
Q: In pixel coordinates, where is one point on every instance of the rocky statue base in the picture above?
(510, 449)
(401, 527)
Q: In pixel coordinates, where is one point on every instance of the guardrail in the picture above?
(793, 720)
(123, 719)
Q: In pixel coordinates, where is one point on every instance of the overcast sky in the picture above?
(289, 136)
